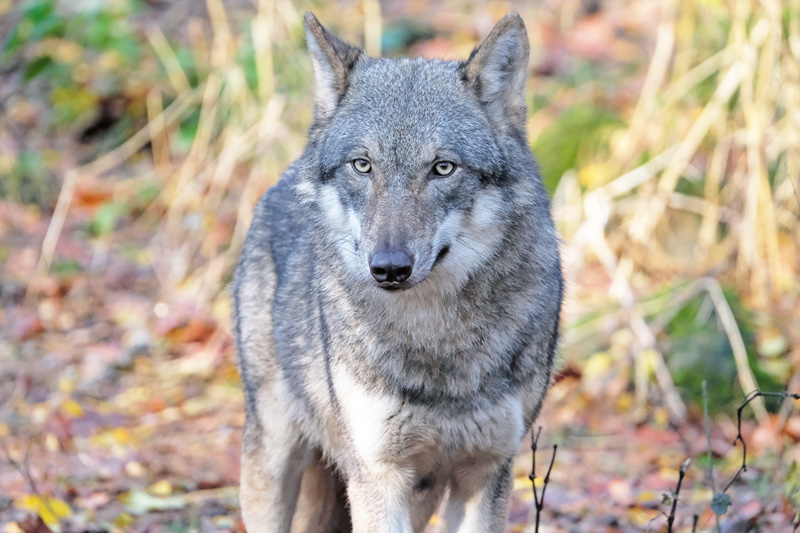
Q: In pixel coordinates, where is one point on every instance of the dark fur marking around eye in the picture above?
(328, 174)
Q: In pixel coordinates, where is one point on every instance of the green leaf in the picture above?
(720, 503)
(139, 502)
(105, 219)
(36, 67)
(577, 131)
(66, 268)
(49, 27)
(13, 41)
(39, 10)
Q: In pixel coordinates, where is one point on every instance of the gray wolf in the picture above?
(397, 300)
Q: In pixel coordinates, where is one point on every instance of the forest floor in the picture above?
(120, 403)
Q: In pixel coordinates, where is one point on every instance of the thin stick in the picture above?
(57, 222)
(539, 501)
(681, 475)
(708, 441)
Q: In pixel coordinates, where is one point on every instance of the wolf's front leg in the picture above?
(379, 504)
(272, 468)
(479, 507)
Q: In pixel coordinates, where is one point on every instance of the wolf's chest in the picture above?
(386, 429)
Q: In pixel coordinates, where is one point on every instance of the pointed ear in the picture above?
(333, 62)
(497, 69)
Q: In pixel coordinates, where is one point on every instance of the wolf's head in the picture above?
(414, 159)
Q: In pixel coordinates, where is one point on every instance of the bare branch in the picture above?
(681, 475)
(539, 500)
(739, 438)
(707, 422)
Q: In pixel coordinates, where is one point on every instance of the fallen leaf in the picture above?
(50, 510)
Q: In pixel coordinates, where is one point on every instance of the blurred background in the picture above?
(137, 135)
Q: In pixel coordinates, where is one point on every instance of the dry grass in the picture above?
(720, 106)
(742, 143)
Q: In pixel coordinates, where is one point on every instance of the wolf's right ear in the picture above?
(497, 70)
(333, 62)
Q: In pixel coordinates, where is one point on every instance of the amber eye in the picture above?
(444, 168)
(362, 165)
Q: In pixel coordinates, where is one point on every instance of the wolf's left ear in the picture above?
(333, 62)
(497, 69)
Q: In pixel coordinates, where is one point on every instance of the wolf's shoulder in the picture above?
(278, 225)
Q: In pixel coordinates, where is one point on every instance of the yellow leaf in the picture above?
(597, 365)
(648, 496)
(593, 175)
(642, 517)
(121, 435)
(661, 417)
(66, 384)
(160, 488)
(522, 483)
(50, 510)
(123, 521)
(624, 402)
(72, 408)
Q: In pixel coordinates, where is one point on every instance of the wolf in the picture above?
(396, 304)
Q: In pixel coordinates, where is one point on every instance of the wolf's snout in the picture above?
(391, 265)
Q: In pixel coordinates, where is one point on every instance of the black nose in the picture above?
(391, 265)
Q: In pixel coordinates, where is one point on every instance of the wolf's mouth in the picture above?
(393, 286)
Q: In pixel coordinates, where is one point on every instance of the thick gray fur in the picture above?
(366, 406)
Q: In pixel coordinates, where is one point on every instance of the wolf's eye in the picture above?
(444, 168)
(362, 165)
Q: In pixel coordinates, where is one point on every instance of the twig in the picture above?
(739, 438)
(539, 501)
(681, 475)
(708, 441)
(57, 221)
